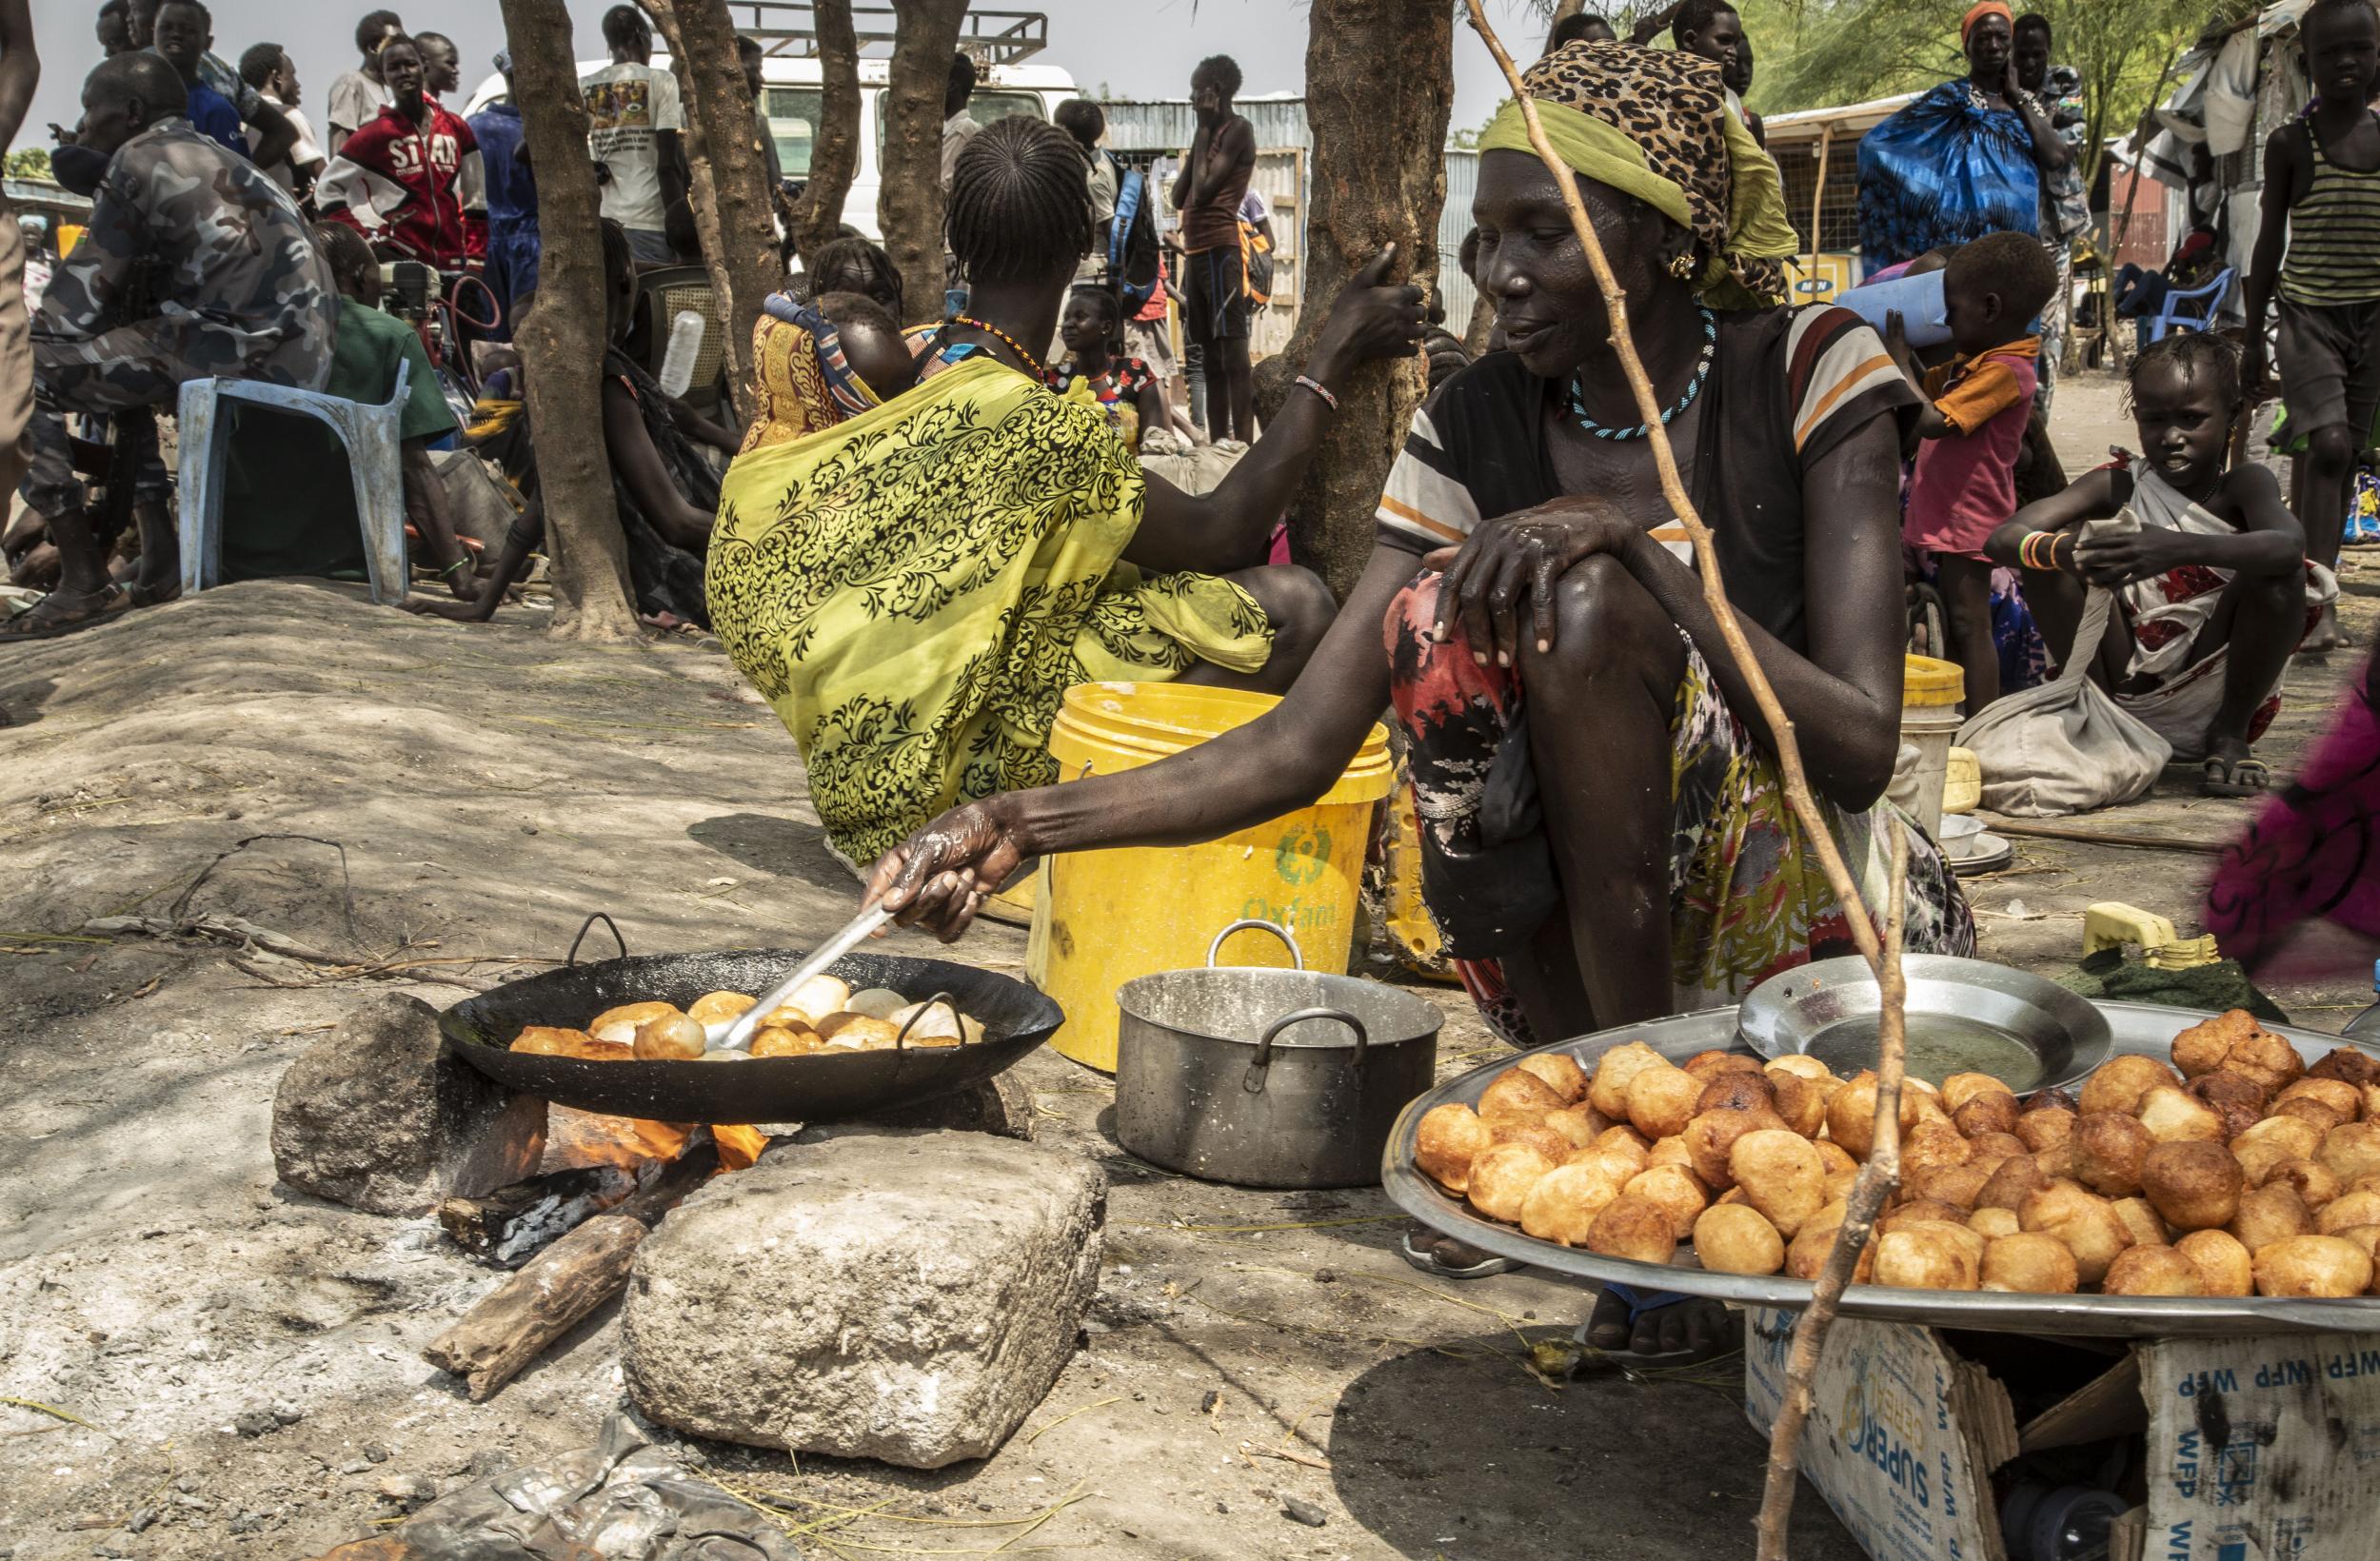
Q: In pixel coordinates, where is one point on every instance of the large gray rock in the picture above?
(377, 1116)
(908, 1296)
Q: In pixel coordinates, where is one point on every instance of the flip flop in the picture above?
(114, 603)
(1429, 1263)
(2232, 776)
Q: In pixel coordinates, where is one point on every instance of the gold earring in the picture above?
(1683, 266)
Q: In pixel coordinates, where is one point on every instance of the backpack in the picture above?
(1256, 264)
(1132, 248)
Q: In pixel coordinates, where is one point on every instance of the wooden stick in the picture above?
(1797, 794)
(511, 1326)
(1817, 203)
(1876, 1178)
(515, 1222)
(2108, 836)
(1874, 1184)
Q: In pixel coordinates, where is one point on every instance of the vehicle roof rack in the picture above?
(789, 30)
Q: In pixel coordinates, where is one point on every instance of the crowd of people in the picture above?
(943, 513)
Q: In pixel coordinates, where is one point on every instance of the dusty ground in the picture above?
(491, 788)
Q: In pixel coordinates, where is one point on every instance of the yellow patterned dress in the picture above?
(913, 589)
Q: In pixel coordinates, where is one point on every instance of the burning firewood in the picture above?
(512, 1224)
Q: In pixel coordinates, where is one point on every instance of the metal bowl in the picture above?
(1964, 1015)
(2137, 1028)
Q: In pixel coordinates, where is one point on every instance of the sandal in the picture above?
(42, 622)
(1420, 1244)
(1616, 1297)
(2235, 777)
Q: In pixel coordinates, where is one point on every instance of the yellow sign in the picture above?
(1829, 279)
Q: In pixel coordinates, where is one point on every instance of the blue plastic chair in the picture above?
(2193, 310)
(372, 441)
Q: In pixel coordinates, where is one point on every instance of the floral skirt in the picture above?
(1748, 898)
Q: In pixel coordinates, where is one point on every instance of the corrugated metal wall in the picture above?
(1151, 128)
(1454, 224)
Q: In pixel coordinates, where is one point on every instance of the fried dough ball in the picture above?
(2319, 1114)
(2366, 1239)
(2303, 1139)
(1991, 1224)
(1850, 1116)
(1563, 1203)
(670, 1038)
(2225, 1266)
(820, 996)
(1805, 1255)
(1635, 1228)
(2371, 1102)
(2109, 1148)
(2352, 1150)
(859, 1032)
(2265, 1058)
(619, 1024)
(2195, 1185)
(2026, 1263)
(1738, 1238)
(2044, 1126)
(1628, 1141)
(2057, 1161)
(2119, 1082)
(2153, 1271)
(1782, 1174)
(1707, 1065)
(1959, 1088)
(1661, 1101)
(1842, 1170)
(2320, 1267)
(1518, 1090)
(876, 1002)
(2346, 1211)
(2238, 1100)
(1921, 1211)
(2141, 1221)
(1960, 1185)
(2008, 1186)
(1579, 1125)
(930, 1024)
(1507, 1128)
(1669, 1151)
(2052, 1099)
(1559, 1073)
(1991, 1148)
(2085, 1221)
(1446, 1140)
(1991, 1110)
(1501, 1176)
(1711, 1136)
(2344, 1098)
(2173, 1117)
(2269, 1213)
(2317, 1187)
(718, 1007)
(1608, 1089)
(1811, 1072)
(2348, 1065)
(555, 1040)
(1732, 1089)
(1924, 1257)
(1931, 1146)
(1800, 1103)
(1674, 1189)
(787, 1041)
(2200, 1049)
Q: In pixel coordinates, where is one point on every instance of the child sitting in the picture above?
(2213, 592)
(1972, 432)
(1091, 328)
(816, 364)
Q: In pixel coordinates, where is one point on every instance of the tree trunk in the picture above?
(1656, 22)
(835, 155)
(730, 177)
(562, 342)
(1475, 336)
(1380, 177)
(909, 207)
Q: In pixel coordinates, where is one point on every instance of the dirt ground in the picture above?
(233, 1369)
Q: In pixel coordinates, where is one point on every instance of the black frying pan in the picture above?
(1016, 1018)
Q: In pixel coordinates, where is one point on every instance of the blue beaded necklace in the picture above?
(1702, 372)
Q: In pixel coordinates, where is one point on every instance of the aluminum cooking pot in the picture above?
(1268, 1077)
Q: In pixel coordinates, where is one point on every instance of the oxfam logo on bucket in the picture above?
(1303, 855)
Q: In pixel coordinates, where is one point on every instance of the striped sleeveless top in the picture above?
(2334, 236)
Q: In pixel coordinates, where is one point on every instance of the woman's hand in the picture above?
(2135, 556)
(1502, 578)
(1370, 318)
(937, 879)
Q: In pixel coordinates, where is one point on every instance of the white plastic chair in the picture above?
(370, 435)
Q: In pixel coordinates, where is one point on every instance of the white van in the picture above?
(792, 90)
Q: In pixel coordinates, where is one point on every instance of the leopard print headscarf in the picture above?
(1678, 146)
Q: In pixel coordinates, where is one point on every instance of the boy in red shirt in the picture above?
(410, 180)
(1972, 431)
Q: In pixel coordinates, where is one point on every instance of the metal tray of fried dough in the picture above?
(2138, 1028)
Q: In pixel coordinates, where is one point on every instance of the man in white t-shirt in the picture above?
(269, 68)
(357, 96)
(633, 122)
(959, 127)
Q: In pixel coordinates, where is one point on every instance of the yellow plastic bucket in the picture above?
(1931, 692)
(1103, 917)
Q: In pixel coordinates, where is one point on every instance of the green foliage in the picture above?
(29, 163)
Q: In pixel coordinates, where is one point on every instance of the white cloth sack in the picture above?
(2065, 746)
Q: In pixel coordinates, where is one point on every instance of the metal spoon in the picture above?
(735, 1035)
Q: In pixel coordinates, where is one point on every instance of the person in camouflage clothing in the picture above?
(195, 265)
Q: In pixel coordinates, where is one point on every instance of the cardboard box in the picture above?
(2257, 1449)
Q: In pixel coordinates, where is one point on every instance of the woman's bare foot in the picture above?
(2326, 636)
(1694, 1328)
(471, 610)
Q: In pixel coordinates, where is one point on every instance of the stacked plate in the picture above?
(1971, 847)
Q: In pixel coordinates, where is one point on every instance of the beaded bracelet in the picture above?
(1309, 383)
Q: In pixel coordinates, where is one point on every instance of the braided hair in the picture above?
(1020, 207)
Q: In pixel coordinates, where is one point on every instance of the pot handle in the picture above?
(587, 927)
(1253, 1082)
(900, 1041)
(1297, 959)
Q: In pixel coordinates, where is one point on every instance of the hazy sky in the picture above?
(1139, 47)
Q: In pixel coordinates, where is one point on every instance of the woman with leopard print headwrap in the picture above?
(1603, 839)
